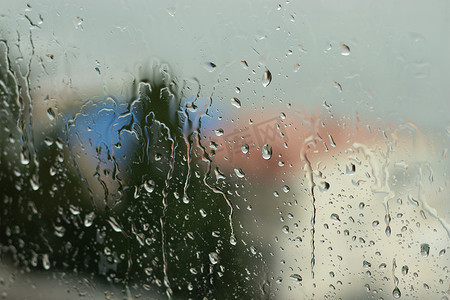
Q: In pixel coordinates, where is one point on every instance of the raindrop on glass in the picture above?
(236, 102)
(267, 78)
(266, 151)
(245, 148)
(425, 250)
(296, 278)
(213, 258)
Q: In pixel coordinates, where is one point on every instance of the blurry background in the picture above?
(224, 150)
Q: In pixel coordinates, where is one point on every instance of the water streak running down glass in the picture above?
(285, 150)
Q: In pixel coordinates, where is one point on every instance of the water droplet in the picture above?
(366, 264)
(405, 270)
(253, 250)
(324, 186)
(285, 229)
(89, 219)
(286, 189)
(107, 251)
(375, 223)
(45, 261)
(115, 226)
(266, 151)
(442, 252)
(350, 168)
(345, 50)
(267, 78)
(51, 114)
(185, 199)
(335, 217)
(74, 210)
(239, 172)
(219, 132)
(149, 186)
(296, 278)
(210, 66)
(236, 102)
(214, 258)
(396, 293)
(203, 212)
(245, 148)
(388, 231)
(425, 250)
(233, 240)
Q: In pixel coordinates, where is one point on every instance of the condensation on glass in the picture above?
(224, 150)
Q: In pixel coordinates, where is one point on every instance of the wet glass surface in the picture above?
(234, 150)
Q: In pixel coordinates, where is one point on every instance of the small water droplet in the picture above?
(345, 50)
(296, 278)
(285, 229)
(350, 168)
(236, 102)
(45, 261)
(425, 250)
(324, 186)
(286, 189)
(335, 217)
(245, 148)
(219, 132)
(149, 186)
(89, 219)
(388, 231)
(233, 240)
(253, 250)
(396, 293)
(210, 66)
(51, 114)
(214, 258)
(405, 270)
(267, 78)
(239, 172)
(266, 151)
(442, 252)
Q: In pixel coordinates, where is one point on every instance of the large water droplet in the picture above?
(89, 219)
(219, 132)
(214, 258)
(335, 217)
(245, 148)
(425, 250)
(239, 172)
(405, 270)
(210, 66)
(236, 102)
(266, 151)
(345, 50)
(296, 278)
(45, 261)
(267, 78)
(396, 293)
(149, 186)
